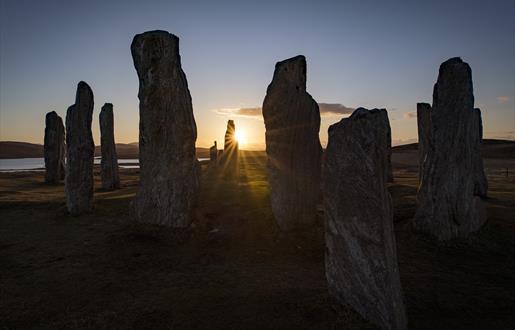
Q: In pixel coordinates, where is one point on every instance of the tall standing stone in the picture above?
(424, 134)
(109, 162)
(448, 201)
(292, 121)
(213, 153)
(169, 170)
(54, 148)
(230, 156)
(481, 185)
(80, 152)
(361, 257)
(389, 170)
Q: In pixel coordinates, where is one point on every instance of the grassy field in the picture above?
(233, 269)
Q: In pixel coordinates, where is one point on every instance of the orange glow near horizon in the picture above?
(240, 137)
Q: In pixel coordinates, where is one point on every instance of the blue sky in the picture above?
(359, 53)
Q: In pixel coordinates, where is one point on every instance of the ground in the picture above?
(234, 268)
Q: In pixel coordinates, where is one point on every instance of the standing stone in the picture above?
(361, 256)
(80, 152)
(54, 148)
(389, 171)
(109, 164)
(424, 134)
(169, 170)
(481, 185)
(231, 151)
(213, 154)
(448, 201)
(292, 122)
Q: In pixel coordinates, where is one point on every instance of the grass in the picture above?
(234, 268)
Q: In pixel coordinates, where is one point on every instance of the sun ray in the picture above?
(240, 137)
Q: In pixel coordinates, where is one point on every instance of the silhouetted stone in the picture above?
(213, 154)
(109, 163)
(389, 171)
(361, 257)
(54, 148)
(292, 121)
(448, 201)
(230, 155)
(424, 134)
(481, 184)
(169, 170)
(80, 152)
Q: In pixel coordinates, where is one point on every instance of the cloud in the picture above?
(334, 109)
(326, 110)
(503, 99)
(410, 115)
(254, 113)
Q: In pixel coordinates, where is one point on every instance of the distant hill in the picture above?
(13, 149)
(492, 148)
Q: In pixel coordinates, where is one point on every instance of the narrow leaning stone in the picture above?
(424, 134)
(109, 162)
(389, 170)
(54, 148)
(231, 151)
(448, 201)
(169, 170)
(481, 185)
(361, 257)
(292, 121)
(80, 152)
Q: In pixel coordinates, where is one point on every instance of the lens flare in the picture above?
(239, 135)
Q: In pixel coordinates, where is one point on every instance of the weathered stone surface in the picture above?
(389, 170)
(213, 154)
(292, 121)
(230, 156)
(448, 201)
(109, 162)
(481, 184)
(424, 134)
(80, 152)
(169, 170)
(54, 148)
(361, 257)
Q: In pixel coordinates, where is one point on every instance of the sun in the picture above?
(240, 137)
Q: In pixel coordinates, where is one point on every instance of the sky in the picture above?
(374, 54)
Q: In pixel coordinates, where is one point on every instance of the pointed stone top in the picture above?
(83, 85)
(51, 114)
(453, 60)
(454, 65)
(107, 106)
(83, 92)
(106, 111)
(230, 123)
(148, 40)
(50, 117)
(296, 60)
(155, 49)
(454, 82)
(291, 71)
